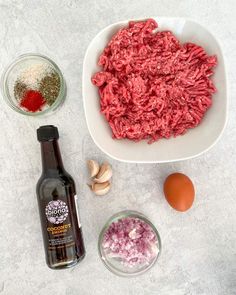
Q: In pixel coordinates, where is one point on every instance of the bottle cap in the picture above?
(47, 133)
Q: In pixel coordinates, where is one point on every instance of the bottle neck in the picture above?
(51, 156)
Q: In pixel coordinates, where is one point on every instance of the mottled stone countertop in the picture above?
(199, 247)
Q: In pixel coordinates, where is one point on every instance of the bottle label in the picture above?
(59, 228)
(56, 211)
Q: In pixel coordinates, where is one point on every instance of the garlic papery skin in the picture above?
(100, 189)
(93, 167)
(104, 174)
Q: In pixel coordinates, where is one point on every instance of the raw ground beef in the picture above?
(151, 86)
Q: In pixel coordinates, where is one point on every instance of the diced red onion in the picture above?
(131, 240)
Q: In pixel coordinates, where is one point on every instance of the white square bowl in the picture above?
(195, 141)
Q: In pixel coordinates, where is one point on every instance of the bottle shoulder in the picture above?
(63, 178)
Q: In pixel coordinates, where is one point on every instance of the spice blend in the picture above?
(37, 87)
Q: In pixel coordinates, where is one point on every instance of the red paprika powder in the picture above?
(32, 100)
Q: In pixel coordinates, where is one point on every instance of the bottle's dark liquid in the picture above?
(58, 208)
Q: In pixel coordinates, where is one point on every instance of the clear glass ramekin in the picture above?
(115, 266)
(9, 77)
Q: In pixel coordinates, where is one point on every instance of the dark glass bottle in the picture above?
(57, 201)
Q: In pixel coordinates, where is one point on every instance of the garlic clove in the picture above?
(93, 167)
(100, 189)
(104, 174)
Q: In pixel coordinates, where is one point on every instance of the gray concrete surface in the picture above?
(199, 247)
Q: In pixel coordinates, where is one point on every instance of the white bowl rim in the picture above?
(155, 161)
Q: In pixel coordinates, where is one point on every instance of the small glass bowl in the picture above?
(10, 76)
(115, 265)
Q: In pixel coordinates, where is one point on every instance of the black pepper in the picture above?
(19, 89)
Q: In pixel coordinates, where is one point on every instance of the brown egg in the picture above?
(179, 191)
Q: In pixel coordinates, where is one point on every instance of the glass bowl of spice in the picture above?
(33, 85)
(129, 244)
